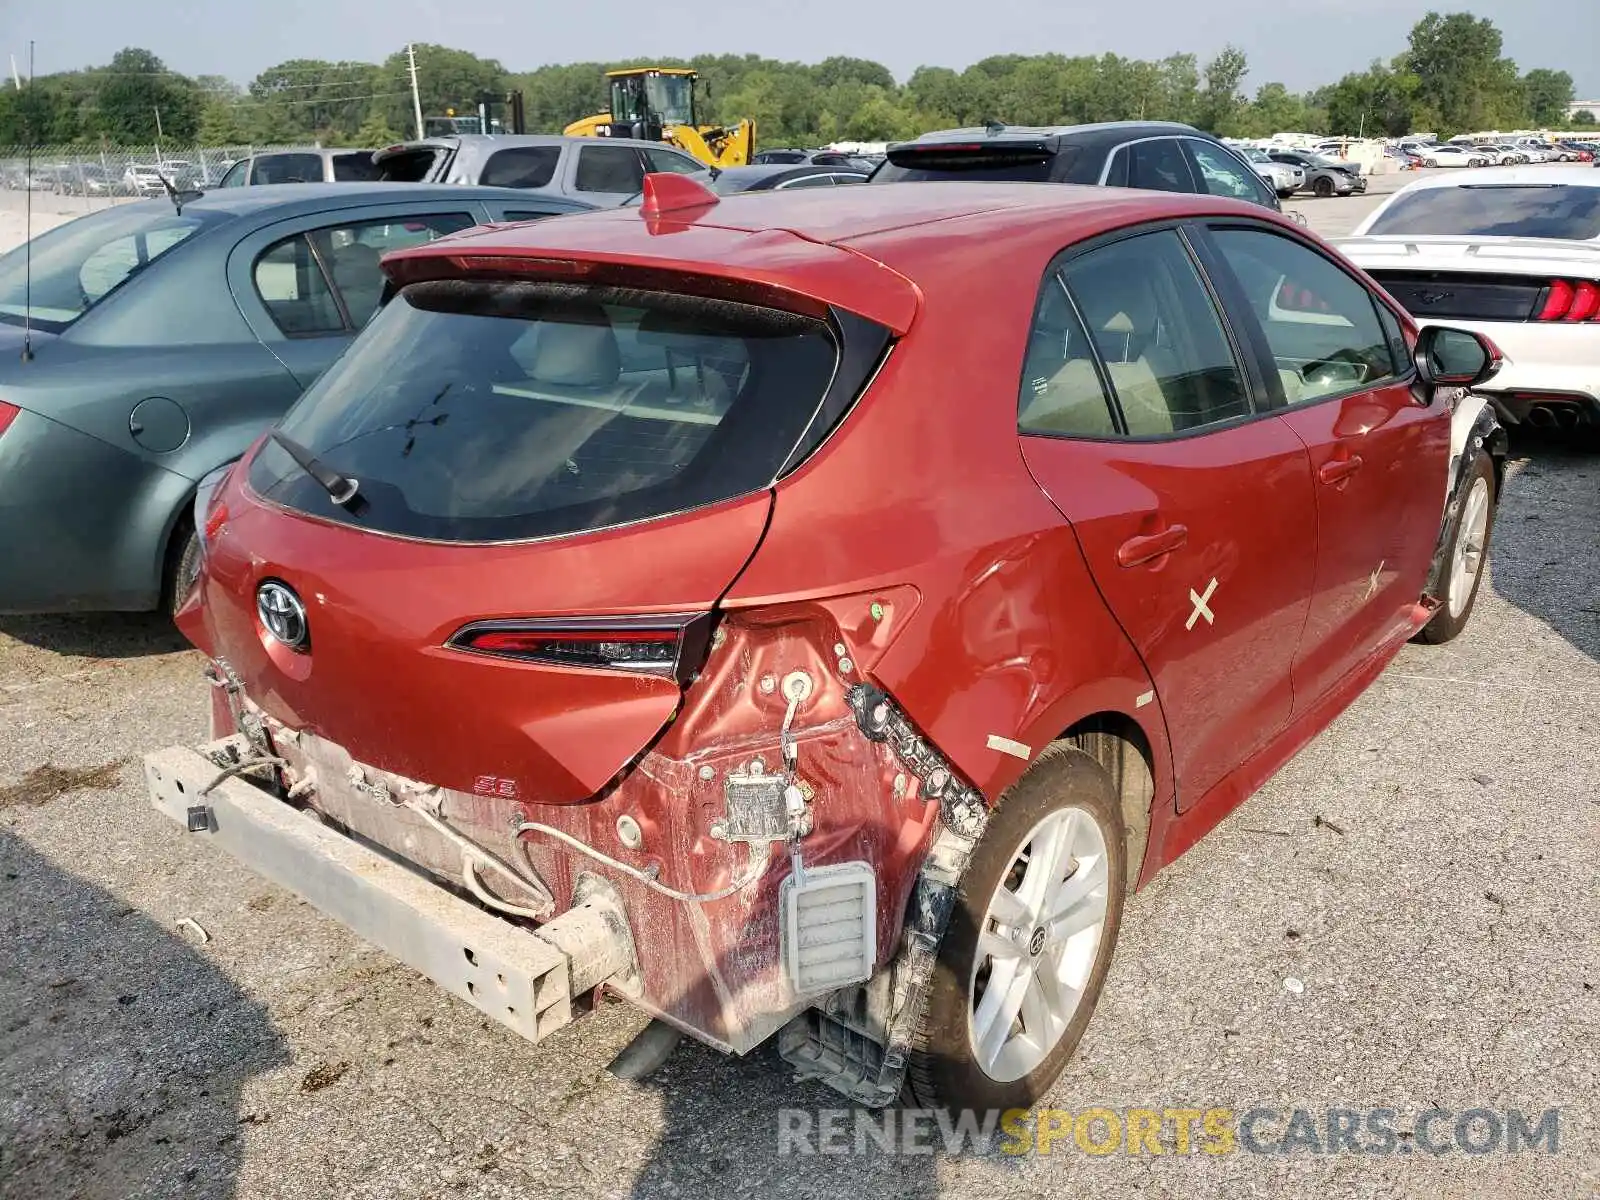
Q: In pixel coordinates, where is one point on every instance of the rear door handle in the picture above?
(1138, 550)
(1336, 469)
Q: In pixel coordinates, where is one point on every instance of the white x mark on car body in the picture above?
(1202, 606)
(1372, 581)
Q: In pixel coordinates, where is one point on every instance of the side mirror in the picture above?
(1446, 357)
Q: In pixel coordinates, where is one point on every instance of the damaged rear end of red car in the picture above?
(466, 610)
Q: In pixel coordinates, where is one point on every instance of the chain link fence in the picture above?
(96, 177)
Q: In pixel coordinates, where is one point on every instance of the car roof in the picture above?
(1571, 174)
(1101, 130)
(833, 244)
(322, 150)
(501, 140)
(290, 199)
(757, 171)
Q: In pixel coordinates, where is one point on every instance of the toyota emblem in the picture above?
(282, 614)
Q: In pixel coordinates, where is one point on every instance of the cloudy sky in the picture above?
(1299, 42)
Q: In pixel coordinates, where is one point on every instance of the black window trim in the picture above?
(1250, 368)
(1261, 346)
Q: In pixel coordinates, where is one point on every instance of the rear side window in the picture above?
(609, 169)
(328, 281)
(1158, 165)
(1117, 169)
(666, 160)
(1061, 388)
(295, 290)
(484, 411)
(1541, 210)
(521, 167)
(287, 168)
(354, 168)
(1157, 335)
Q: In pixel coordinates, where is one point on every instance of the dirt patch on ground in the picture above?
(50, 782)
(323, 1075)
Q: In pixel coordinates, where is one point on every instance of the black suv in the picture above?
(1159, 155)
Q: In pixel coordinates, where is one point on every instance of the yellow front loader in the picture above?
(658, 105)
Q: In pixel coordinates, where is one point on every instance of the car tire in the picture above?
(1067, 798)
(1322, 188)
(1467, 556)
(1285, 193)
(183, 565)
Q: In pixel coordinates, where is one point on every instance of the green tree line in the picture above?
(1451, 77)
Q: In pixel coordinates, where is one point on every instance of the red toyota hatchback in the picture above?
(812, 614)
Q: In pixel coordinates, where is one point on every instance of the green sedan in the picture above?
(148, 344)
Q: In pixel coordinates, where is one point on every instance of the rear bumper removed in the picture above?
(525, 979)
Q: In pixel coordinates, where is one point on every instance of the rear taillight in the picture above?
(209, 515)
(1570, 300)
(672, 646)
(8, 414)
(1585, 303)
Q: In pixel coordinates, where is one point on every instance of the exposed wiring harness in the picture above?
(239, 768)
(474, 856)
(757, 869)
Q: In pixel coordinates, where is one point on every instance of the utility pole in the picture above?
(416, 95)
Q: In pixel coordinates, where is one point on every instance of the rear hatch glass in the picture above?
(473, 411)
(984, 161)
(1537, 210)
(416, 164)
(355, 167)
(77, 265)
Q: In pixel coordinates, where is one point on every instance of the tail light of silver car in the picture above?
(673, 646)
(1569, 301)
(8, 414)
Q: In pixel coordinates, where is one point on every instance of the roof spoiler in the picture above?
(669, 192)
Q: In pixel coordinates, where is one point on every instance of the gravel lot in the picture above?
(1426, 869)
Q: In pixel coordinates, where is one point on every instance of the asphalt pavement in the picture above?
(1404, 919)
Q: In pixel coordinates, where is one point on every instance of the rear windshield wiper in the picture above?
(341, 489)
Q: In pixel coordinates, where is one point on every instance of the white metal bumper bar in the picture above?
(520, 978)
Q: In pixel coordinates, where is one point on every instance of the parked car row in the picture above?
(103, 282)
(585, 624)
(95, 178)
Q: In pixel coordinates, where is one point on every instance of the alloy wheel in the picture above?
(1470, 543)
(1037, 944)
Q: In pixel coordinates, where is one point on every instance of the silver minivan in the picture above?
(604, 171)
(315, 165)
